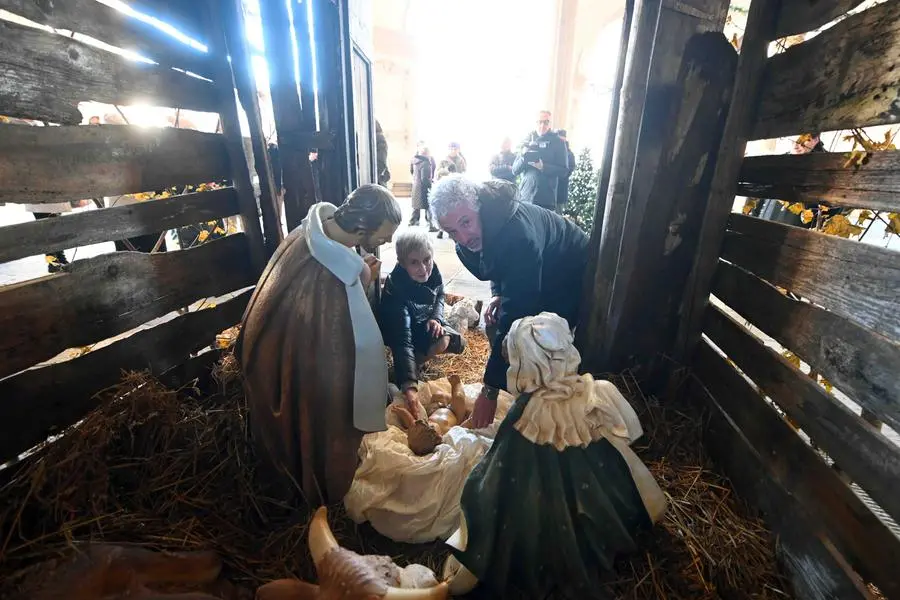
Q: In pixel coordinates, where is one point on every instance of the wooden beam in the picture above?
(60, 164)
(46, 75)
(871, 460)
(289, 115)
(657, 252)
(857, 361)
(845, 77)
(741, 114)
(231, 129)
(812, 563)
(44, 401)
(825, 177)
(117, 223)
(236, 39)
(98, 298)
(609, 217)
(114, 27)
(801, 16)
(858, 281)
(187, 16)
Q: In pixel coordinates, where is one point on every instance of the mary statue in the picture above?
(560, 493)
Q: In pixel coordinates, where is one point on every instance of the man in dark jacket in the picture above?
(534, 259)
(541, 162)
(562, 192)
(381, 152)
(502, 162)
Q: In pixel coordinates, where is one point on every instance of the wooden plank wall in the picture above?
(792, 444)
(101, 298)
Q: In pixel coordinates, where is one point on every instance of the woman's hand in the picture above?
(485, 408)
(492, 312)
(434, 328)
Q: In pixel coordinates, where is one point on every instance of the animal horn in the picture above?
(321, 540)
(438, 592)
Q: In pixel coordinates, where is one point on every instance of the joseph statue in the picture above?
(312, 356)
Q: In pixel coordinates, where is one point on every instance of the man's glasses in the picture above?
(543, 121)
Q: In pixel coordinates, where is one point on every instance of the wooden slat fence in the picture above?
(98, 301)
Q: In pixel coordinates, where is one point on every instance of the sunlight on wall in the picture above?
(482, 73)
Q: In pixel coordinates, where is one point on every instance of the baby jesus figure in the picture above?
(560, 493)
(424, 432)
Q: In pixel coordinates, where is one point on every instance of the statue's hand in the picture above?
(374, 267)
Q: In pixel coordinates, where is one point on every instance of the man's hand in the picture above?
(492, 312)
(374, 267)
(485, 408)
(539, 165)
(434, 328)
(411, 397)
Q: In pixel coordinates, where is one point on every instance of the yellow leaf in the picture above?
(51, 260)
(864, 216)
(826, 384)
(807, 216)
(203, 235)
(212, 223)
(750, 205)
(791, 358)
(782, 290)
(784, 203)
(232, 228)
(219, 231)
(796, 208)
(840, 226)
(893, 224)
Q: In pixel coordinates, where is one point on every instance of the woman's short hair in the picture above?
(412, 240)
(366, 208)
(451, 192)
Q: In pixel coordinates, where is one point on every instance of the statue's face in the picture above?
(382, 235)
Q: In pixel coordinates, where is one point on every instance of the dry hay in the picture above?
(169, 469)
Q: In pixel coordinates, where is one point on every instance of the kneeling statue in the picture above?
(312, 356)
(560, 493)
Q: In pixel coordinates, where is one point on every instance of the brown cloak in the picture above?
(297, 355)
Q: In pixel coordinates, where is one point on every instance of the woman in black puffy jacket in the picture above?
(412, 312)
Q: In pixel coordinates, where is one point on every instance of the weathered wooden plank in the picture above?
(859, 362)
(57, 164)
(823, 177)
(187, 16)
(805, 545)
(100, 297)
(858, 281)
(114, 27)
(871, 460)
(745, 97)
(657, 253)
(800, 16)
(231, 130)
(46, 75)
(118, 223)
(44, 401)
(847, 76)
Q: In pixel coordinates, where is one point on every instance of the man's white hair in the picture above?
(412, 240)
(450, 192)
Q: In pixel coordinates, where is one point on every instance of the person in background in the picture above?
(541, 162)
(412, 313)
(381, 156)
(95, 120)
(314, 167)
(454, 158)
(420, 168)
(562, 191)
(502, 162)
(534, 259)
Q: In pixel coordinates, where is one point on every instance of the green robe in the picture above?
(541, 521)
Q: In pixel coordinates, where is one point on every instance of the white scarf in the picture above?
(370, 377)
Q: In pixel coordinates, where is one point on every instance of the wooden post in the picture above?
(290, 116)
(231, 129)
(668, 230)
(236, 42)
(334, 171)
(741, 116)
